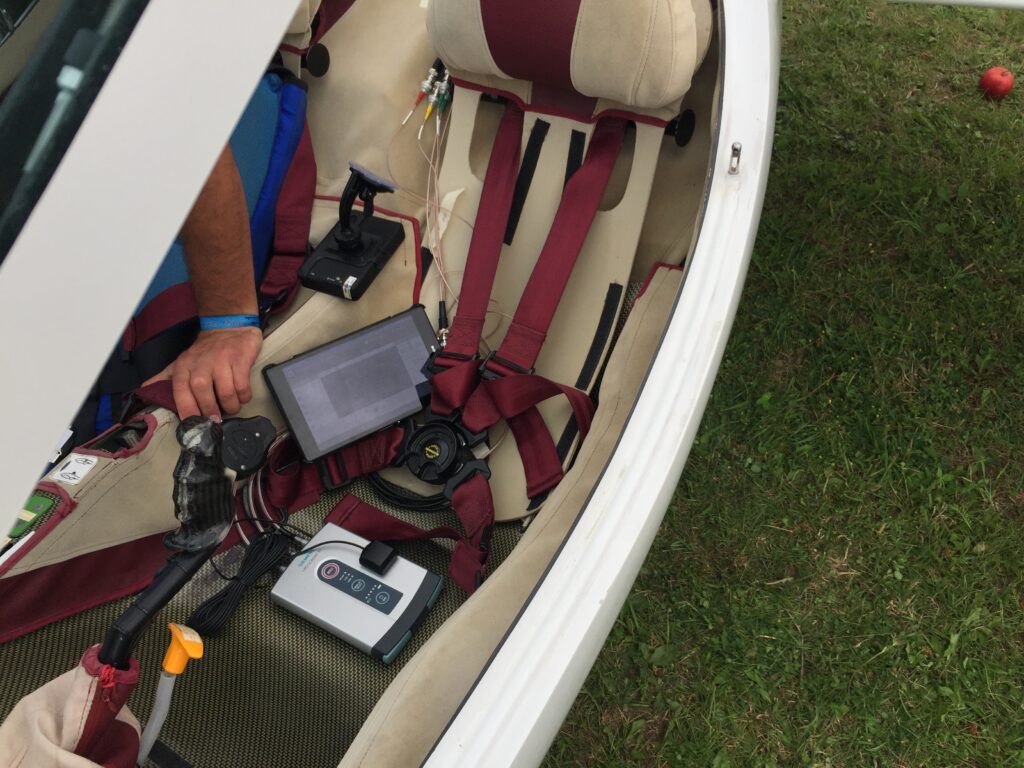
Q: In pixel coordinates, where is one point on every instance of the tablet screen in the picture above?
(352, 387)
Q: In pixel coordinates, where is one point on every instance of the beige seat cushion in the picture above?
(639, 53)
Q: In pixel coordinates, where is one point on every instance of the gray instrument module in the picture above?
(375, 613)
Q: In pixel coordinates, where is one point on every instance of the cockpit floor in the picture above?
(271, 690)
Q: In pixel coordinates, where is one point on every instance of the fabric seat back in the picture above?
(637, 54)
(568, 66)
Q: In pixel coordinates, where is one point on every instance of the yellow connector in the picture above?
(185, 644)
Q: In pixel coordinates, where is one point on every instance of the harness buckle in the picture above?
(490, 375)
(433, 368)
(463, 474)
(267, 305)
(439, 450)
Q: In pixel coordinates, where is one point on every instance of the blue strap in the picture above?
(104, 414)
(290, 122)
(220, 322)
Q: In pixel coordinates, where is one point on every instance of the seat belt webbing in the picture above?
(580, 202)
(488, 236)
(166, 310)
(543, 293)
(367, 521)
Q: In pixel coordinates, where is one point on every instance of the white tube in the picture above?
(161, 704)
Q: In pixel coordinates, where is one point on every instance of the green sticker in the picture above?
(36, 505)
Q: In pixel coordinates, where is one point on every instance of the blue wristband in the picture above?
(219, 322)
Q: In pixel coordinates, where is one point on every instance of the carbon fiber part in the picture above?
(272, 689)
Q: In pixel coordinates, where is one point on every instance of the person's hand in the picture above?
(215, 369)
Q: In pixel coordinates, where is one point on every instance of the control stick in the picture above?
(210, 454)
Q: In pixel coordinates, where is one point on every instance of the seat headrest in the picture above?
(641, 53)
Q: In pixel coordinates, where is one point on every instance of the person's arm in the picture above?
(213, 374)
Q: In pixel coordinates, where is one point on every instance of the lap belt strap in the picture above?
(293, 484)
(372, 454)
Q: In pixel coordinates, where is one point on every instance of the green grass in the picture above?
(839, 579)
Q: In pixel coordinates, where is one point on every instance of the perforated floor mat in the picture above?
(272, 690)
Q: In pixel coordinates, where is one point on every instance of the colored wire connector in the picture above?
(431, 105)
(426, 87)
(443, 97)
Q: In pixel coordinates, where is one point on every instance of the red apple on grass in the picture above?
(996, 83)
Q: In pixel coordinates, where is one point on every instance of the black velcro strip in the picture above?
(164, 757)
(605, 326)
(526, 170)
(567, 439)
(577, 143)
(426, 260)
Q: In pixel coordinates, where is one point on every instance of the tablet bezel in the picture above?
(281, 390)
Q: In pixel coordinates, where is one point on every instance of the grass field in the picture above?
(839, 579)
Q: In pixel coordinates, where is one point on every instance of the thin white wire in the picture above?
(249, 499)
(433, 210)
(404, 190)
(431, 200)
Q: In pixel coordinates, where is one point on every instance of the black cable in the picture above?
(213, 564)
(267, 550)
(261, 556)
(400, 497)
(282, 525)
(303, 551)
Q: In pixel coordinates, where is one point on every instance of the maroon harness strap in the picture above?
(291, 227)
(370, 454)
(580, 202)
(290, 482)
(508, 398)
(159, 393)
(168, 308)
(371, 523)
(488, 236)
(544, 290)
(452, 387)
(542, 467)
(327, 15)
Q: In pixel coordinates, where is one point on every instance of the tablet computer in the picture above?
(347, 389)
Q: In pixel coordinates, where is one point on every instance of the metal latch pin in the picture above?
(734, 159)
